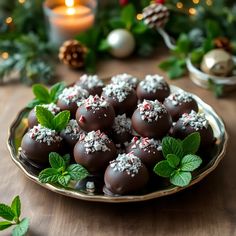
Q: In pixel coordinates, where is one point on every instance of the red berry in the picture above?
(160, 1)
(123, 2)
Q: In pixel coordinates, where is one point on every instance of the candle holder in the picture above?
(67, 18)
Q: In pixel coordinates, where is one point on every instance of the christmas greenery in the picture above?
(11, 215)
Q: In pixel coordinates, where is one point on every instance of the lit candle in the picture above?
(66, 21)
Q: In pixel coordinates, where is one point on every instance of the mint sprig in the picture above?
(61, 171)
(11, 215)
(55, 122)
(45, 96)
(180, 159)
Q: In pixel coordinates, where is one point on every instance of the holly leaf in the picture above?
(176, 71)
(77, 172)
(183, 44)
(41, 93)
(6, 212)
(5, 225)
(167, 64)
(56, 90)
(104, 46)
(128, 15)
(22, 228)
(139, 28)
(173, 160)
(48, 175)
(190, 162)
(163, 169)
(16, 206)
(64, 180)
(56, 161)
(45, 117)
(181, 178)
(172, 146)
(61, 120)
(191, 143)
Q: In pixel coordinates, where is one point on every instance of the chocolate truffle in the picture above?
(153, 87)
(95, 113)
(125, 78)
(179, 103)
(151, 119)
(32, 119)
(69, 97)
(121, 131)
(37, 144)
(148, 150)
(126, 174)
(121, 96)
(194, 122)
(71, 133)
(92, 84)
(94, 151)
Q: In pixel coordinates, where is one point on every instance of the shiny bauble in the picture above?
(121, 42)
(217, 62)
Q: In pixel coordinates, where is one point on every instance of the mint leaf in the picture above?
(5, 225)
(48, 175)
(191, 143)
(128, 15)
(163, 169)
(66, 159)
(61, 120)
(41, 93)
(45, 117)
(16, 206)
(173, 160)
(22, 228)
(6, 212)
(180, 178)
(172, 146)
(190, 162)
(77, 172)
(33, 103)
(64, 180)
(56, 90)
(56, 161)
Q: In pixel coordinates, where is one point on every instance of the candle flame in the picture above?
(70, 7)
(69, 3)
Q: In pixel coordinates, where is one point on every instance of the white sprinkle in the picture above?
(179, 98)
(73, 130)
(125, 78)
(122, 124)
(146, 143)
(90, 81)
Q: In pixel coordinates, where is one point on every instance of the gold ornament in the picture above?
(72, 53)
(217, 62)
(155, 15)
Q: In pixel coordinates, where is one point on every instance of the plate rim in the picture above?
(121, 199)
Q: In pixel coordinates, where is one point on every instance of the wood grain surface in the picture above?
(209, 208)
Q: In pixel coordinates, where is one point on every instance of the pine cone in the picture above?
(155, 15)
(72, 53)
(223, 43)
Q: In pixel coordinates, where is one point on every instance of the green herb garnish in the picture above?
(48, 120)
(45, 96)
(180, 159)
(11, 215)
(61, 171)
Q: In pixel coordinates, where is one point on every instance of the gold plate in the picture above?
(19, 127)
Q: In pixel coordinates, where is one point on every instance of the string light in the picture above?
(192, 11)
(196, 1)
(139, 16)
(179, 5)
(9, 20)
(4, 55)
(209, 2)
(21, 1)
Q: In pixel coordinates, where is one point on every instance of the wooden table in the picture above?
(209, 208)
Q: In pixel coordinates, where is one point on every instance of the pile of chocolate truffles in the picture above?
(116, 129)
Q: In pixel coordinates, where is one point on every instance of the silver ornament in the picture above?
(217, 62)
(121, 42)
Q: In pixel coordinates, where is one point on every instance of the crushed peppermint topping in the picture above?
(196, 120)
(151, 110)
(146, 143)
(152, 83)
(44, 135)
(73, 129)
(128, 163)
(122, 124)
(179, 98)
(94, 103)
(125, 78)
(73, 94)
(118, 91)
(53, 108)
(90, 81)
(95, 141)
